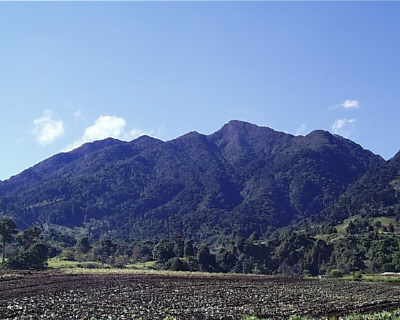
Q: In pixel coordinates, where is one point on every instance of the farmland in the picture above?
(55, 295)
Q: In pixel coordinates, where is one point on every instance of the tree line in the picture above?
(314, 249)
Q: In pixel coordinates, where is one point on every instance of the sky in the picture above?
(76, 72)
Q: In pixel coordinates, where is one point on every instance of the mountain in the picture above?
(242, 178)
(376, 193)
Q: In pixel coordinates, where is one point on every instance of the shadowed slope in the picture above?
(241, 178)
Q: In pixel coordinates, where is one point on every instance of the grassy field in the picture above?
(57, 263)
(149, 267)
(77, 268)
(88, 266)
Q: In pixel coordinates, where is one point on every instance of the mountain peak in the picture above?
(321, 137)
(320, 133)
(236, 128)
(145, 139)
(241, 125)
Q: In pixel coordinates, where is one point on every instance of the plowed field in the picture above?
(151, 297)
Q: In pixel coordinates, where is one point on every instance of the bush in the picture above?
(335, 273)
(68, 254)
(357, 276)
(192, 263)
(119, 262)
(177, 264)
(34, 257)
(90, 265)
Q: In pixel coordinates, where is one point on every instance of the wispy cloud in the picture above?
(106, 126)
(47, 129)
(343, 127)
(348, 104)
(351, 104)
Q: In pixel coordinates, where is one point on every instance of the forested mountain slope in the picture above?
(241, 178)
(377, 193)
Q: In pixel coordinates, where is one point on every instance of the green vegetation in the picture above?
(28, 250)
(8, 229)
(57, 263)
(356, 247)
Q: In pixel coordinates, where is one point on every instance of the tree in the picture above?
(319, 255)
(177, 264)
(163, 251)
(105, 249)
(188, 249)
(226, 260)
(351, 228)
(29, 236)
(206, 259)
(179, 247)
(35, 257)
(8, 229)
(84, 245)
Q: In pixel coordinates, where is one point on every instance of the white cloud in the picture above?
(46, 129)
(343, 127)
(351, 104)
(301, 130)
(106, 126)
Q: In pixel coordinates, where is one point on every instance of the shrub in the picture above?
(357, 276)
(68, 254)
(34, 257)
(90, 265)
(119, 262)
(335, 273)
(177, 264)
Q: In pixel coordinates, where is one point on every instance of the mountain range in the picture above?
(240, 179)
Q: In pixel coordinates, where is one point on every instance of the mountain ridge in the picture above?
(240, 178)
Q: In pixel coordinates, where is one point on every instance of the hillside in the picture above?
(242, 178)
(377, 193)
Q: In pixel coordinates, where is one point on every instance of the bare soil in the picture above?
(50, 295)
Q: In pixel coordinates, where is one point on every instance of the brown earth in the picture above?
(151, 297)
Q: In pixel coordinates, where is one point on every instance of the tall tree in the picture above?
(8, 229)
(206, 259)
(188, 250)
(84, 245)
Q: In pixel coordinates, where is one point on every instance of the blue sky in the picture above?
(75, 72)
